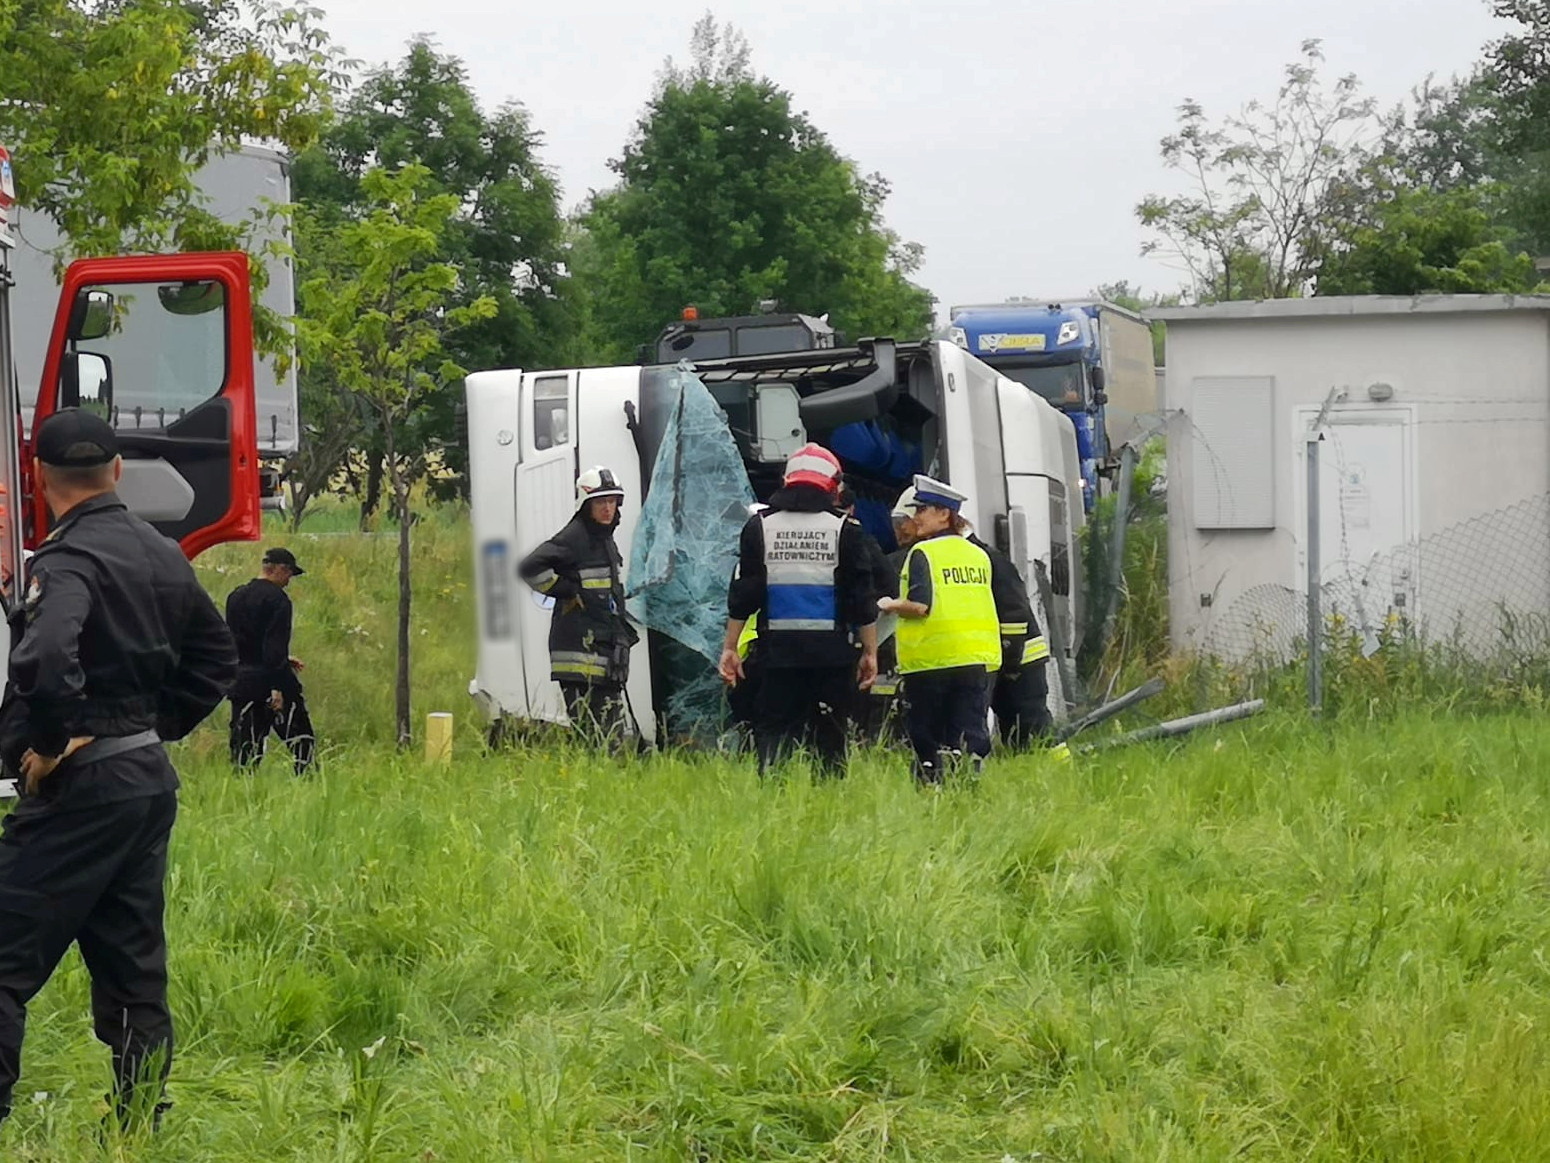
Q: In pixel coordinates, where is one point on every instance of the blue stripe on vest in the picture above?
(788, 603)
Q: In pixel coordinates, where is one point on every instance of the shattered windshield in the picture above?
(684, 550)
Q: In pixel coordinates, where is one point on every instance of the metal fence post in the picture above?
(1315, 616)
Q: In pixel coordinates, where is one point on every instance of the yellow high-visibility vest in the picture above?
(962, 628)
(750, 634)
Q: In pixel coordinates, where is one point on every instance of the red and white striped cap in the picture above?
(813, 464)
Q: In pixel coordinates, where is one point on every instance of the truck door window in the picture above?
(156, 354)
(778, 421)
(551, 411)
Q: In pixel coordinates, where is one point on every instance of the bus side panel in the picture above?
(494, 456)
(606, 439)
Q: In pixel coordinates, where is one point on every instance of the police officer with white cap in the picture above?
(949, 638)
(589, 635)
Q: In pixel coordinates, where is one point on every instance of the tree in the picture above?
(506, 238)
(111, 108)
(379, 313)
(1425, 241)
(727, 197)
(1259, 211)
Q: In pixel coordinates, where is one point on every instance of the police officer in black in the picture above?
(120, 649)
(589, 635)
(267, 695)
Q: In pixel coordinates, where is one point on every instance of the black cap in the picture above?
(283, 557)
(71, 438)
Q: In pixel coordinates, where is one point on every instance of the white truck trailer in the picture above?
(930, 405)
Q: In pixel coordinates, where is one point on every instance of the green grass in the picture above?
(1275, 941)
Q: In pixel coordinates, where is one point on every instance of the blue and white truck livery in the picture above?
(1089, 358)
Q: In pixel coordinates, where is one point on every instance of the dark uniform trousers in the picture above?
(596, 712)
(803, 706)
(946, 709)
(252, 720)
(92, 875)
(1021, 704)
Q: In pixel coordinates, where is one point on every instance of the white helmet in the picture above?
(597, 482)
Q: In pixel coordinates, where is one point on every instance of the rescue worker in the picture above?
(949, 636)
(120, 650)
(743, 694)
(803, 571)
(267, 695)
(870, 708)
(589, 634)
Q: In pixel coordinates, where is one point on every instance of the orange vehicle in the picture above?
(161, 346)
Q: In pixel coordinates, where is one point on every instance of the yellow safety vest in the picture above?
(962, 628)
(750, 634)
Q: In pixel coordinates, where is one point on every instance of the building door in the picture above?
(1366, 520)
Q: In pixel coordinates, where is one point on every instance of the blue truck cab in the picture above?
(1054, 350)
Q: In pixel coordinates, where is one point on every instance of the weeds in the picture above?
(1280, 940)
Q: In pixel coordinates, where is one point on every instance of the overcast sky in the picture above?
(1018, 136)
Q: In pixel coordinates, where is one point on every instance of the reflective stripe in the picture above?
(802, 623)
(885, 689)
(1013, 629)
(595, 571)
(807, 462)
(544, 582)
(578, 662)
(597, 583)
(1035, 649)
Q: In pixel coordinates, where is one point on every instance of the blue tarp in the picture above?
(685, 548)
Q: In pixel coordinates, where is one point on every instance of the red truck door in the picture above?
(161, 346)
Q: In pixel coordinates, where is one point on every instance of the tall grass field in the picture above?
(1280, 940)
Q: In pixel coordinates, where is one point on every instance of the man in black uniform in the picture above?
(120, 649)
(1019, 691)
(267, 696)
(870, 708)
(589, 635)
(803, 571)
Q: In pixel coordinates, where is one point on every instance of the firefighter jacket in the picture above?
(1022, 642)
(589, 635)
(803, 570)
(951, 576)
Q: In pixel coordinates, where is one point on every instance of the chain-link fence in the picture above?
(1481, 588)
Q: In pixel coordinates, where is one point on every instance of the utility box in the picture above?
(1433, 419)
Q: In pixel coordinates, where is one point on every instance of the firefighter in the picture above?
(267, 695)
(589, 635)
(803, 571)
(949, 636)
(120, 650)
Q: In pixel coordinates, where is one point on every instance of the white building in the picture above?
(1434, 505)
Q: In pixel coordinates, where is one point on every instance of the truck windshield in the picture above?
(1060, 384)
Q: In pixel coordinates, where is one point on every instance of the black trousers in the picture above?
(803, 707)
(1021, 704)
(93, 875)
(252, 720)
(946, 711)
(597, 712)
